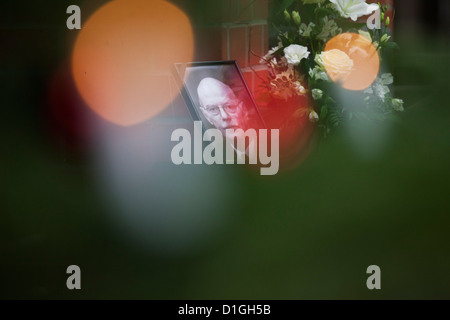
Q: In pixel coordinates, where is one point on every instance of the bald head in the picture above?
(212, 92)
(219, 105)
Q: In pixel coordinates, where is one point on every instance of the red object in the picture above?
(290, 117)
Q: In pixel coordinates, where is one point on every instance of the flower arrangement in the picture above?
(304, 64)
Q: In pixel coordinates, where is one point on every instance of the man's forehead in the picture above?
(212, 101)
(211, 91)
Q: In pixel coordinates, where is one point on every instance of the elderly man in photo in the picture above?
(223, 110)
(220, 106)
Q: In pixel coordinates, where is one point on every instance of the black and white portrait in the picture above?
(216, 94)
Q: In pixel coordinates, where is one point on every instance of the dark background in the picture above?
(304, 234)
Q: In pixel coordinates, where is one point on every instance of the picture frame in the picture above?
(190, 75)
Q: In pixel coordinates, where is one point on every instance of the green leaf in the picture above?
(330, 99)
(323, 112)
(349, 25)
(389, 45)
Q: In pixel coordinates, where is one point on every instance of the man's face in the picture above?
(221, 107)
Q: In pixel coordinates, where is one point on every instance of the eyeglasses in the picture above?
(228, 108)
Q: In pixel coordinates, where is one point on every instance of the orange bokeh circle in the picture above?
(123, 56)
(363, 54)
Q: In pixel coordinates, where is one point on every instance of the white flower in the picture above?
(298, 88)
(338, 64)
(295, 53)
(369, 90)
(318, 74)
(354, 9)
(397, 104)
(380, 90)
(319, 60)
(317, 94)
(387, 78)
(380, 86)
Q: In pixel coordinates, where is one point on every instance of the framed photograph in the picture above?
(216, 94)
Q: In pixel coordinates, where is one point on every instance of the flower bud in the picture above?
(313, 116)
(385, 38)
(317, 94)
(388, 21)
(287, 16)
(337, 64)
(296, 18)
